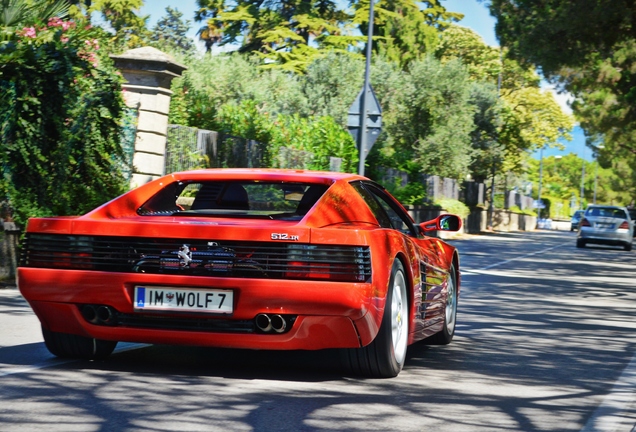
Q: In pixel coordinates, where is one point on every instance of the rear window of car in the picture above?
(606, 212)
(252, 199)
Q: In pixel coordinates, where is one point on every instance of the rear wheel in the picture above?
(628, 246)
(580, 243)
(385, 356)
(75, 346)
(445, 336)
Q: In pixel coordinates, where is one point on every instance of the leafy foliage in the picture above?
(413, 193)
(128, 28)
(235, 79)
(169, 33)
(291, 34)
(61, 112)
(284, 33)
(403, 31)
(428, 128)
(322, 137)
(453, 206)
(593, 60)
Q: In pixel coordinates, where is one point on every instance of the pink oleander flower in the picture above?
(64, 39)
(92, 44)
(29, 32)
(54, 22)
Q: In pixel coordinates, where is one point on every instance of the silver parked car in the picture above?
(609, 225)
(576, 220)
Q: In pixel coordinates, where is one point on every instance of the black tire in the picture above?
(445, 336)
(628, 246)
(580, 243)
(385, 356)
(73, 346)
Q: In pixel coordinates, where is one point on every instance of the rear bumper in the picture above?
(327, 314)
(617, 237)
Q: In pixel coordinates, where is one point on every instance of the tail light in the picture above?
(585, 222)
(74, 253)
(324, 271)
(80, 260)
(311, 262)
(624, 225)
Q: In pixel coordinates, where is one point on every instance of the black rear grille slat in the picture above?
(197, 257)
(186, 324)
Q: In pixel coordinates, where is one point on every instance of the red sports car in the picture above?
(245, 258)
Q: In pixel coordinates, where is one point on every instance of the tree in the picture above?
(236, 78)
(427, 120)
(291, 34)
(284, 33)
(330, 84)
(403, 31)
(483, 61)
(128, 28)
(514, 115)
(593, 60)
(170, 32)
(61, 110)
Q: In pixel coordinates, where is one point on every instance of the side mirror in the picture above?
(446, 222)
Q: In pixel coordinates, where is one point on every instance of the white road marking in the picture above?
(470, 272)
(521, 257)
(611, 414)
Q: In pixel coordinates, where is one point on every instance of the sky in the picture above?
(476, 17)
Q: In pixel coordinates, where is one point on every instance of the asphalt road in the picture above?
(545, 341)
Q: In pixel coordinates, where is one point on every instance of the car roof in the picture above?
(271, 174)
(606, 206)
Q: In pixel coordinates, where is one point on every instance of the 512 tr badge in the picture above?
(284, 236)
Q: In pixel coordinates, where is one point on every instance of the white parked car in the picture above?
(610, 225)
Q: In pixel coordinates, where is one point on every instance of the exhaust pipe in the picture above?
(104, 314)
(278, 323)
(267, 324)
(263, 322)
(89, 313)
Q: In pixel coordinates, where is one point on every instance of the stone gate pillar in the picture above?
(148, 73)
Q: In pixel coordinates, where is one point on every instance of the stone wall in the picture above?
(502, 220)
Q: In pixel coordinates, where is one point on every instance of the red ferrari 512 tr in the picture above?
(245, 258)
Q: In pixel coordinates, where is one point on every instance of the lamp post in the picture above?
(365, 101)
(596, 174)
(540, 183)
(582, 186)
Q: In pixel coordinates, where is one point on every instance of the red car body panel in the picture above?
(327, 313)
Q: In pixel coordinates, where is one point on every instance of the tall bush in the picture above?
(61, 112)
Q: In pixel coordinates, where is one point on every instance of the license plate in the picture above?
(183, 300)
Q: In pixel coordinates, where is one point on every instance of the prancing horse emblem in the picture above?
(185, 256)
